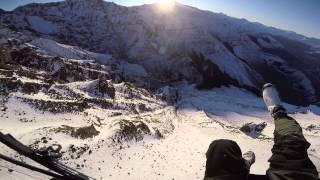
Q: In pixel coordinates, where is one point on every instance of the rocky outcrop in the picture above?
(168, 94)
(58, 106)
(252, 129)
(105, 87)
(126, 130)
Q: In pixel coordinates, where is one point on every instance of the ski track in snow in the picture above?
(180, 155)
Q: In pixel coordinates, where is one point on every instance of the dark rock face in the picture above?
(58, 106)
(85, 132)
(32, 88)
(253, 130)
(2, 11)
(106, 88)
(9, 84)
(143, 108)
(212, 76)
(128, 131)
(29, 58)
(75, 152)
(168, 94)
(4, 56)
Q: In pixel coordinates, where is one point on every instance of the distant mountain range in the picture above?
(198, 46)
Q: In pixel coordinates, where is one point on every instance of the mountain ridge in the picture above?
(132, 93)
(162, 43)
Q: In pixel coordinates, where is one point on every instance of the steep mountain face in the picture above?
(202, 47)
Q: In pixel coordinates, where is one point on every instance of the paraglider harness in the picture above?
(47, 157)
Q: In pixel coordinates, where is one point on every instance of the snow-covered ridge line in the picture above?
(104, 120)
(230, 51)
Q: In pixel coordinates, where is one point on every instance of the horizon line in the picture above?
(177, 1)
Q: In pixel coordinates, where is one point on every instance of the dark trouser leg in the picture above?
(224, 159)
(290, 159)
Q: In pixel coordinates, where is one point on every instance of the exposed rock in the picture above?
(10, 84)
(158, 134)
(143, 108)
(105, 87)
(253, 129)
(85, 132)
(28, 57)
(63, 92)
(58, 106)
(7, 73)
(126, 130)
(75, 152)
(78, 132)
(313, 128)
(32, 88)
(103, 103)
(5, 56)
(168, 94)
(212, 76)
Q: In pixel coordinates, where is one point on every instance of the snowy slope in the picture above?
(118, 87)
(56, 49)
(162, 43)
(201, 117)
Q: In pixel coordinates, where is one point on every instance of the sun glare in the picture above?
(167, 2)
(166, 5)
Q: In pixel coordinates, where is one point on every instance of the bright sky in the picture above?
(302, 16)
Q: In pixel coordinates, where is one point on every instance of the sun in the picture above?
(166, 5)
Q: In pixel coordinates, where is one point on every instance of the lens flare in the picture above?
(166, 5)
(167, 2)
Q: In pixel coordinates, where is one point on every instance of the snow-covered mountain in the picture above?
(133, 93)
(112, 129)
(207, 48)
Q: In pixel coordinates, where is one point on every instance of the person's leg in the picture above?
(289, 158)
(224, 161)
(289, 153)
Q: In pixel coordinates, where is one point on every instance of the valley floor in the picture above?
(200, 117)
